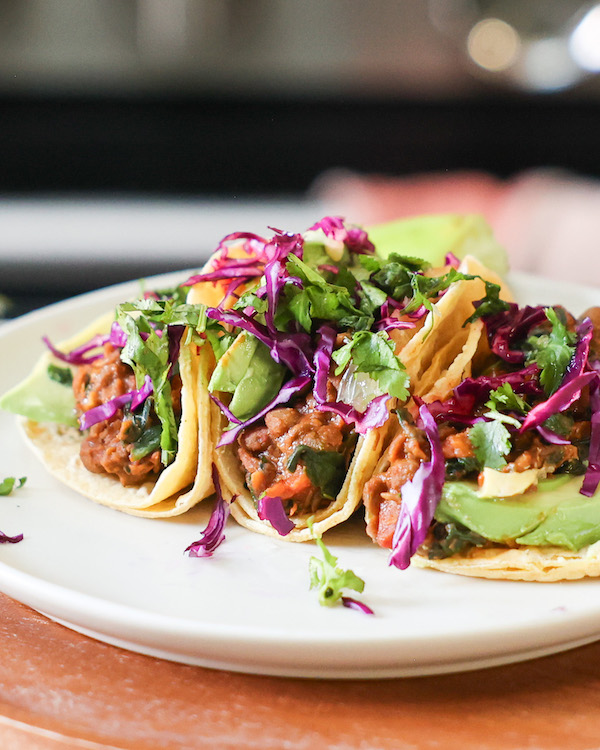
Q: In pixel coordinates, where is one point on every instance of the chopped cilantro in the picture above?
(552, 352)
(319, 300)
(373, 353)
(9, 484)
(148, 352)
(327, 577)
(491, 304)
(504, 397)
(491, 443)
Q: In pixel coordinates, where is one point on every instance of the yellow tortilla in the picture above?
(542, 564)
(243, 509)
(179, 486)
(442, 352)
(444, 347)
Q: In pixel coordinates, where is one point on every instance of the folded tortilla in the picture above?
(243, 507)
(441, 354)
(521, 563)
(178, 487)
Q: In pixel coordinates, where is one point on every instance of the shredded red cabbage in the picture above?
(288, 348)
(387, 324)
(77, 356)
(213, 535)
(452, 260)
(474, 392)
(271, 509)
(420, 497)
(552, 437)
(245, 271)
(559, 400)
(108, 410)
(592, 475)
(579, 359)
(5, 539)
(292, 388)
(329, 267)
(117, 336)
(226, 410)
(375, 415)
(356, 239)
(351, 603)
(376, 412)
(506, 328)
(322, 361)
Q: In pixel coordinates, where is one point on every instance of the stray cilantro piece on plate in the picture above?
(11, 483)
(327, 577)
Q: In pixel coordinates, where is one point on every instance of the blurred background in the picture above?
(135, 133)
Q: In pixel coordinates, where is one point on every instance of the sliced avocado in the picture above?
(248, 371)
(41, 398)
(432, 237)
(556, 514)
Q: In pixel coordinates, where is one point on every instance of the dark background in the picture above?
(186, 145)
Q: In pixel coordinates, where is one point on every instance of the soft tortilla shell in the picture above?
(543, 564)
(243, 508)
(180, 486)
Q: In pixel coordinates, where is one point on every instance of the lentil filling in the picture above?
(107, 447)
(266, 451)
(382, 493)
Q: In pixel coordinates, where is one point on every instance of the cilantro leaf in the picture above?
(491, 304)
(373, 353)
(552, 352)
(505, 397)
(327, 577)
(491, 443)
(426, 288)
(319, 300)
(9, 484)
(148, 352)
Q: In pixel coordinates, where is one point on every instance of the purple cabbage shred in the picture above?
(271, 509)
(213, 535)
(108, 410)
(5, 539)
(351, 603)
(292, 388)
(420, 497)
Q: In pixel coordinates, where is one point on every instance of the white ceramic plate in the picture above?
(126, 580)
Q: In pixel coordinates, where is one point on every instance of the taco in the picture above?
(498, 478)
(309, 341)
(120, 412)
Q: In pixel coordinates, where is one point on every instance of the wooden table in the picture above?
(59, 689)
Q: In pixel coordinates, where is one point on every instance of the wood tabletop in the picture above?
(60, 689)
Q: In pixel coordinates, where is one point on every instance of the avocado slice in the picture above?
(248, 371)
(556, 514)
(41, 398)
